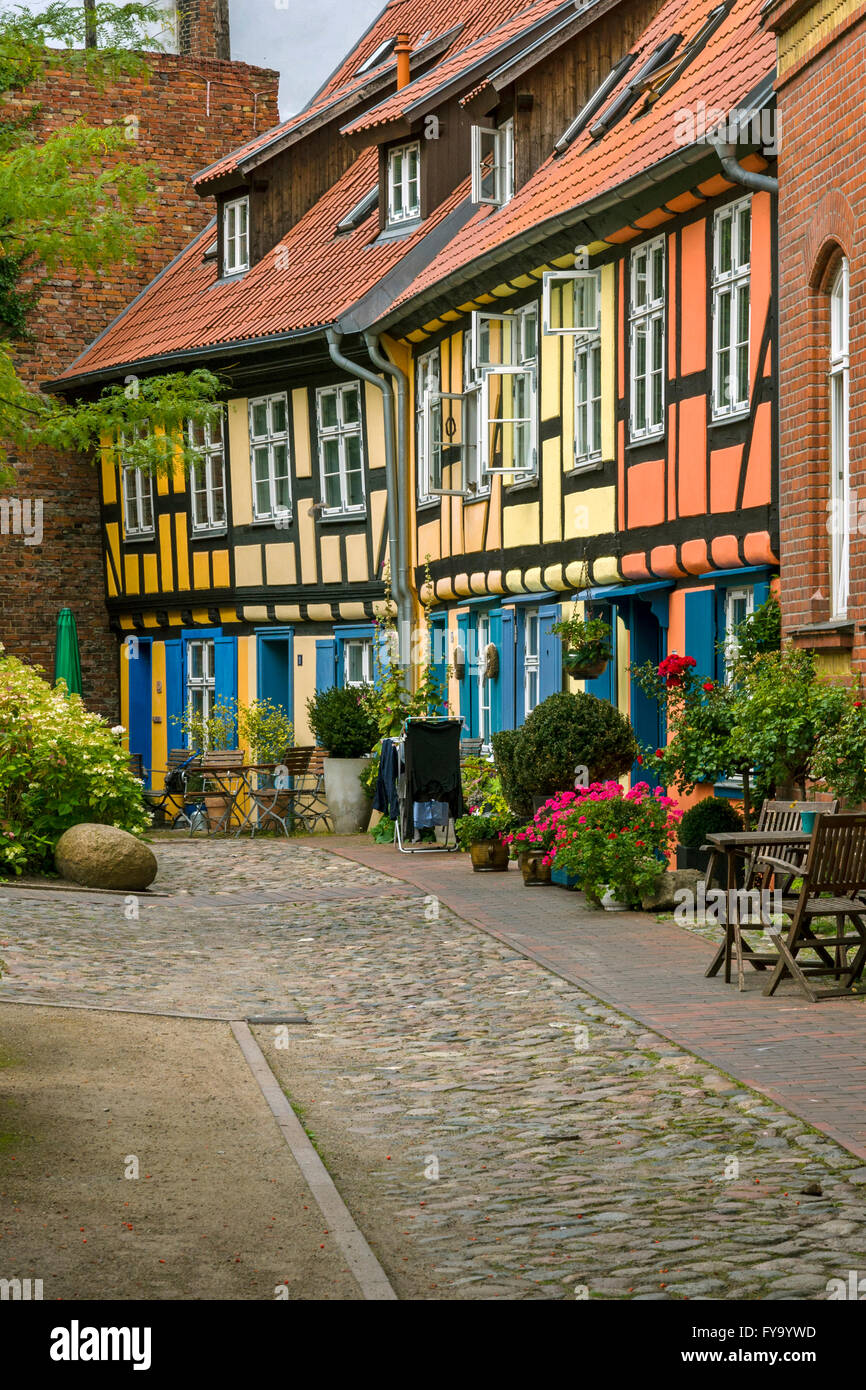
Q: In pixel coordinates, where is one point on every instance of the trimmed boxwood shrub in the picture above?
(344, 722)
(712, 816)
(567, 731)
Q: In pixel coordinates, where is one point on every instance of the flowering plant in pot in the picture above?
(615, 842)
(531, 844)
(587, 646)
(481, 833)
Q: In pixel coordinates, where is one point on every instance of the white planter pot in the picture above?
(349, 805)
(610, 903)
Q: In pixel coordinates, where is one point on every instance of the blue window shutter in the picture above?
(507, 671)
(550, 654)
(701, 631)
(496, 686)
(439, 657)
(604, 686)
(174, 694)
(226, 671)
(468, 685)
(762, 593)
(326, 665)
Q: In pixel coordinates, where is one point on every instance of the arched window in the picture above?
(840, 488)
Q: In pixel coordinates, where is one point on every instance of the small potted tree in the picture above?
(343, 720)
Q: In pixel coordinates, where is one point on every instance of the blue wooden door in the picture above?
(139, 654)
(646, 716)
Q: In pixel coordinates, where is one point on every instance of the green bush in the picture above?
(712, 816)
(60, 766)
(566, 732)
(344, 721)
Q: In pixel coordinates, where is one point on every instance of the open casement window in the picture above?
(236, 236)
(404, 183)
(577, 307)
(493, 164)
(505, 354)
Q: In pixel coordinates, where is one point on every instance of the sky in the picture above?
(303, 39)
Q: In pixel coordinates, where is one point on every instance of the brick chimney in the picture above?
(203, 28)
(403, 49)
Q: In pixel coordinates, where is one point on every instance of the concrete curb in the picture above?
(371, 1277)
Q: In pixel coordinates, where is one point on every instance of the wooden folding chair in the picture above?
(222, 777)
(178, 758)
(834, 876)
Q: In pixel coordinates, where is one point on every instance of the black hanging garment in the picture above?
(386, 799)
(432, 767)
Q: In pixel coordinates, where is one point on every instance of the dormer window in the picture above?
(236, 236)
(404, 183)
(493, 164)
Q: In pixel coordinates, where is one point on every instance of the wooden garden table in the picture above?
(734, 844)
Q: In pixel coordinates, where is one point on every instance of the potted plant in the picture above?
(713, 815)
(587, 646)
(343, 721)
(480, 832)
(216, 732)
(615, 842)
(531, 845)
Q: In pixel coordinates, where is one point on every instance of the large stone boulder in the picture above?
(100, 856)
(674, 881)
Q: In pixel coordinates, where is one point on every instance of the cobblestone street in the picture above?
(495, 1131)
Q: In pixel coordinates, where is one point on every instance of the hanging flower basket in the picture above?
(584, 666)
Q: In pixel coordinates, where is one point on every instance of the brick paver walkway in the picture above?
(810, 1058)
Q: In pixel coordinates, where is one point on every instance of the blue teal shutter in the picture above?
(226, 671)
(468, 685)
(701, 631)
(550, 654)
(507, 671)
(604, 686)
(326, 664)
(439, 657)
(762, 592)
(496, 685)
(174, 694)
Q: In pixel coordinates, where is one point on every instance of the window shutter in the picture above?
(326, 665)
(508, 671)
(469, 683)
(496, 685)
(226, 671)
(604, 686)
(173, 694)
(549, 655)
(701, 631)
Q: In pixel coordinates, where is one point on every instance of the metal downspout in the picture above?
(760, 183)
(355, 369)
(400, 567)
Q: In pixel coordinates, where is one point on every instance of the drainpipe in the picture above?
(354, 369)
(760, 183)
(400, 555)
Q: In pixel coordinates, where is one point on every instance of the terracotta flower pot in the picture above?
(490, 857)
(535, 872)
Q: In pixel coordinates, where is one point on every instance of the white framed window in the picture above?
(579, 304)
(236, 236)
(476, 479)
(506, 354)
(428, 415)
(732, 243)
(269, 458)
(493, 164)
(358, 661)
(531, 660)
(739, 605)
(404, 183)
(587, 399)
(840, 463)
(341, 449)
(137, 486)
(200, 680)
(647, 339)
(208, 477)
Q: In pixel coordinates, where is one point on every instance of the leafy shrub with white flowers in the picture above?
(60, 766)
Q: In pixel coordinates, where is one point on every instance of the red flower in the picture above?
(612, 835)
(709, 686)
(640, 759)
(659, 753)
(858, 704)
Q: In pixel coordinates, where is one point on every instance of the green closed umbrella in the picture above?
(67, 659)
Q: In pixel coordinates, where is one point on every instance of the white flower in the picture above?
(118, 729)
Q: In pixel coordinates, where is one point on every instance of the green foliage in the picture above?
(477, 827)
(761, 632)
(482, 787)
(394, 701)
(699, 717)
(587, 641)
(60, 766)
(839, 761)
(566, 732)
(615, 840)
(781, 710)
(383, 831)
(714, 815)
(266, 730)
(213, 734)
(344, 720)
(75, 202)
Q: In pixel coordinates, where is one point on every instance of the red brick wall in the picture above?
(822, 207)
(189, 111)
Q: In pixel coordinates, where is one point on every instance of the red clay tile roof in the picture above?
(738, 56)
(463, 59)
(421, 20)
(307, 281)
